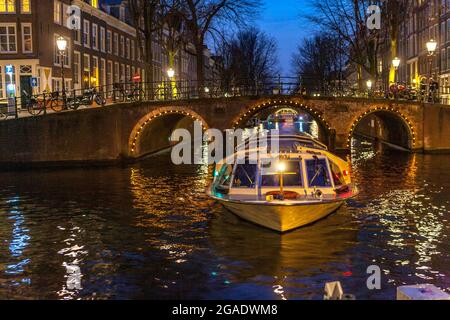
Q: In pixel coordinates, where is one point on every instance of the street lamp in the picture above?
(171, 73)
(431, 47)
(61, 43)
(396, 63)
(369, 86)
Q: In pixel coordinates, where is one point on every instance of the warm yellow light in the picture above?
(369, 84)
(431, 46)
(281, 166)
(61, 44)
(396, 62)
(171, 73)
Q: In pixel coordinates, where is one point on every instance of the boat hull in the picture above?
(282, 218)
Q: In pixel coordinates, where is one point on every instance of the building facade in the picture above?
(427, 19)
(103, 47)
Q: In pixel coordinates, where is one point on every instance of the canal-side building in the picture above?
(102, 50)
(426, 20)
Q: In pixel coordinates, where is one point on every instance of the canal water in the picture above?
(149, 232)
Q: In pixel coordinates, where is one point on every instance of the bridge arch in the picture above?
(142, 130)
(325, 128)
(393, 117)
(254, 109)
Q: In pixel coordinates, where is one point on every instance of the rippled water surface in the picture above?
(149, 232)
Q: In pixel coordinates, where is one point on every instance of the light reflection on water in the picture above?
(150, 232)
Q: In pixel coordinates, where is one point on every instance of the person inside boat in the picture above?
(317, 171)
(245, 176)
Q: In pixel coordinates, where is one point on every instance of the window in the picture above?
(128, 74)
(108, 42)
(95, 73)
(116, 73)
(57, 12)
(245, 176)
(133, 50)
(86, 62)
(116, 44)
(27, 38)
(76, 69)
(128, 49)
(94, 36)
(317, 173)
(109, 77)
(102, 72)
(122, 46)
(7, 6)
(8, 39)
(102, 39)
(94, 3)
(270, 178)
(25, 6)
(56, 85)
(122, 73)
(86, 37)
(338, 176)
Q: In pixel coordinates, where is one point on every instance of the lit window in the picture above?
(8, 38)
(7, 6)
(25, 6)
(57, 12)
(94, 3)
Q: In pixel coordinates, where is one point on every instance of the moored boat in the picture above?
(297, 186)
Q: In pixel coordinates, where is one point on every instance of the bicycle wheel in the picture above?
(57, 105)
(100, 100)
(73, 104)
(35, 108)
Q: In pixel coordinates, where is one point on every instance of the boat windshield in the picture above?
(317, 171)
(245, 176)
(291, 178)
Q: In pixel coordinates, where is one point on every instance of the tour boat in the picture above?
(296, 186)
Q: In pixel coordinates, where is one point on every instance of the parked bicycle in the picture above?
(133, 94)
(36, 104)
(87, 98)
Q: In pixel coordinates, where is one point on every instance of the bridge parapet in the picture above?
(107, 134)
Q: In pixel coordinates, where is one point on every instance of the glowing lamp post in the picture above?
(170, 73)
(369, 86)
(396, 63)
(281, 168)
(431, 48)
(61, 43)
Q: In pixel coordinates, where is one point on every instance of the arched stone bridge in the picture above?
(131, 130)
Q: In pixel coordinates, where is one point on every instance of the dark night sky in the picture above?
(284, 20)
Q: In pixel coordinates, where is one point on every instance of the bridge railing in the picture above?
(99, 96)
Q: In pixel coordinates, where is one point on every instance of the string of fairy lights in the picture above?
(378, 109)
(161, 113)
(252, 110)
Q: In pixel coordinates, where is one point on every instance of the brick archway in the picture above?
(146, 121)
(254, 109)
(392, 111)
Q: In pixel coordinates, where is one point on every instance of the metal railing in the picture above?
(50, 102)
